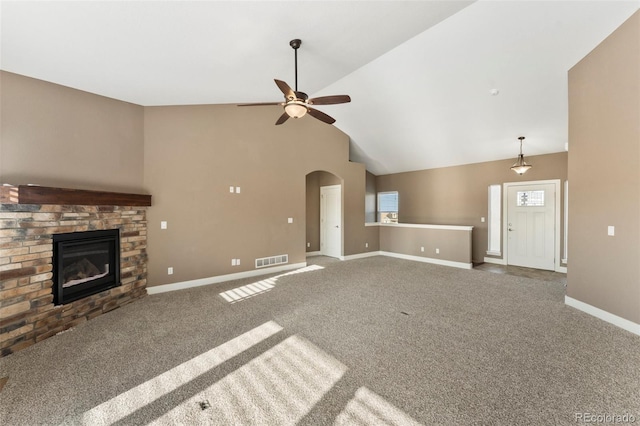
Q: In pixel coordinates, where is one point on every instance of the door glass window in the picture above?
(530, 198)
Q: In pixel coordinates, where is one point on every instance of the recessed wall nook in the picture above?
(67, 256)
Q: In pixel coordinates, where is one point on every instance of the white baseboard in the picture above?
(314, 253)
(361, 255)
(561, 269)
(495, 260)
(603, 315)
(409, 257)
(221, 278)
(428, 260)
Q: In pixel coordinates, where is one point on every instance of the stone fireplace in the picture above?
(38, 298)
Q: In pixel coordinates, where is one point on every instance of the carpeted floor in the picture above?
(370, 341)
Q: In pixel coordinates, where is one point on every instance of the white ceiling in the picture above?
(419, 72)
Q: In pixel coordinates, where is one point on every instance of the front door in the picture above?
(531, 225)
(331, 220)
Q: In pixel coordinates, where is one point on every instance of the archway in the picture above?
(320, 240)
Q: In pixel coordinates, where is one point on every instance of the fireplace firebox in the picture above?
(85, 263)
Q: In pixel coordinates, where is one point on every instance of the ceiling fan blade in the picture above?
(284, 117)
(262, 104)
(289, 94)
(330, 100)
(321, 116)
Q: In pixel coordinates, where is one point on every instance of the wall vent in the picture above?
(271, 261)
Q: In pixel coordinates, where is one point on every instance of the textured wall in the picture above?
(459, 195)
(604, 182)
(193, 154)
(56, 136)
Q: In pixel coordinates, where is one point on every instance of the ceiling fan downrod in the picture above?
(295, 44)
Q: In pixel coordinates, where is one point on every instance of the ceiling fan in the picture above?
(297, 104)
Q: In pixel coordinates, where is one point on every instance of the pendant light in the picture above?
(521, 166)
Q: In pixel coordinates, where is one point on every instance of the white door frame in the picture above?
(505, 206)
(322, 222)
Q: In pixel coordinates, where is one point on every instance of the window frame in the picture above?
(494, 220)
(380, 212)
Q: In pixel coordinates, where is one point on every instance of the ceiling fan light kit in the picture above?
(295, 109)
(297, 104)
(521, 166)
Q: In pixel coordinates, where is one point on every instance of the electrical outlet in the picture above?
(308, 245)
(163, 224)
(170, 270)
(237, 189)
(421, 248)
(366, 245)
(237, 262)
(290, 220)
(233, 262)
(611, 231)
(482, 219)
(231, 189)
(437, 251)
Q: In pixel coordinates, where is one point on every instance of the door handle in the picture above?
(337, 226)
(510, 229)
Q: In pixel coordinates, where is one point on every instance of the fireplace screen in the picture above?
(85, 263)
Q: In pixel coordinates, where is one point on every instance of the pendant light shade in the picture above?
(521, 166)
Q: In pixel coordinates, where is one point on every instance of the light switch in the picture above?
(170, 270)
(237, 189)
(611, 231)
(482, 219)
(231, 189)
(163, 224)
(290, 220)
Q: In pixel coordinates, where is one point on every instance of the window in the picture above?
(566, 221)
(530, 199)
(388, 207)
(494, 220)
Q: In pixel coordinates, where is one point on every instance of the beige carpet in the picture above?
(370, 341)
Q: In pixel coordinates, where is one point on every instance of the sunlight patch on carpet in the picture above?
(246, 291)
(136, 398)
(369, 408)
(278, 387)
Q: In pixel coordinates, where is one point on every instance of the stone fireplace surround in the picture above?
(29, 217)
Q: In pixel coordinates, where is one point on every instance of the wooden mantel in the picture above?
(31, 194)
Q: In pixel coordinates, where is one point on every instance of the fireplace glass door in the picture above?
(85, 263)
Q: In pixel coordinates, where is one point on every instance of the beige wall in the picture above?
(186, 157)
(194, 153)
(57, 136)
(452, 245)
(459, 195)
(315, 180)
(604, 181)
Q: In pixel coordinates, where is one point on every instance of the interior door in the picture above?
(531, 226)
(331, 220)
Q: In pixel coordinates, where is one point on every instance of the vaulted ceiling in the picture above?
(433, 83)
